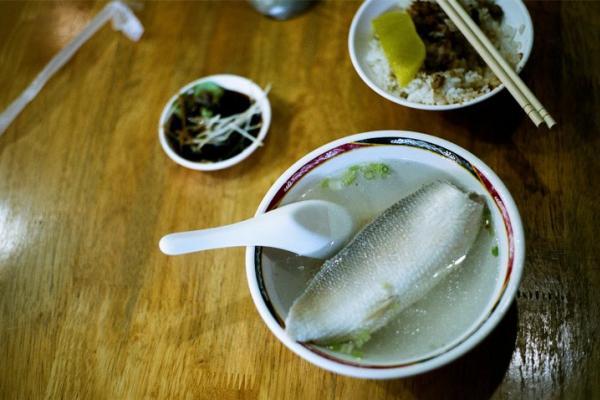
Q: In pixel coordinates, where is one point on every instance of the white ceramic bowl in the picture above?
(231, 82)
(361, 32)
(269, 284)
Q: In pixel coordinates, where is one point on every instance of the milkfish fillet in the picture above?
(390, 264)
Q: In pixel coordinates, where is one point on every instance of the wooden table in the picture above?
(89, 308)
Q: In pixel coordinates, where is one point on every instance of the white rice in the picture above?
(459, 85)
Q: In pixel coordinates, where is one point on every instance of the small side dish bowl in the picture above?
(361, 32)
(228, 82)
(275, 283)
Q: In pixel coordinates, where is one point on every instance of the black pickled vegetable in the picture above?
(209, 123)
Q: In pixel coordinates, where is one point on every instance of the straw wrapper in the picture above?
(122, 19)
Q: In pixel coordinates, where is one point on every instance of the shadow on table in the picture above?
(494, 120)
(476, 375)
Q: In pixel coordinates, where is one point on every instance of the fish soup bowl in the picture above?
(367, 173)
(516, 17)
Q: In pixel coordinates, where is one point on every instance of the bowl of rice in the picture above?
(452, 74)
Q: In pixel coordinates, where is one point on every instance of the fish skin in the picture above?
(390, 264)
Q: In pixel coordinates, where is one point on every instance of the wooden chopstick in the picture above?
(517, 88)
(498, 57)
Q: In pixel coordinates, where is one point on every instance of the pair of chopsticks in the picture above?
(517, 88)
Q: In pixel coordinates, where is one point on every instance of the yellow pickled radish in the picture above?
(402, 46)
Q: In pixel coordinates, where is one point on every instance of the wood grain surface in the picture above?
(89, 307)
